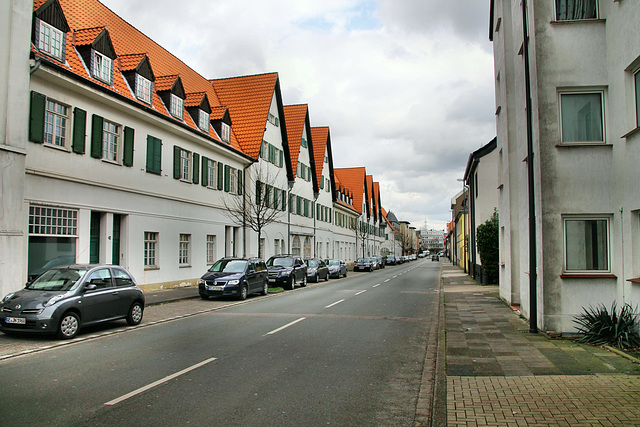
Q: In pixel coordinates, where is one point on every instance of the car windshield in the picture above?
(57, 279)
(229, 266)
(280, 262)
(312, 263)
(364, 260)
(334, 262)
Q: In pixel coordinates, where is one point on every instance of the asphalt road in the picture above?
(348, 352)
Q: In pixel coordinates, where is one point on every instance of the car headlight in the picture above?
(233, 282)
(53, 300)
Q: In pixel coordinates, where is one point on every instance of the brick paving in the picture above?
(498, 374)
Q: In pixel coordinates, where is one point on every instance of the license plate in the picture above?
(272, 280)
(215, 288)
(16, 320)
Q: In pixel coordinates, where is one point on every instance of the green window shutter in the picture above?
(240, 182)
(127, 156)
(36, 117)
(281, 163)
(318, 211)
(322, 182)
(284, 200)
(276, 195)
(220, 176)
(195, 157)
(96, 136)
(154, 155)
(79, 130)
(176, 161)
(205, 172)
(258, 192)
(227, 175)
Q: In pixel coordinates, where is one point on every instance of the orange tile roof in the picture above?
(194, 99)
(320, 137)
(353, 179)
(131, 62)
(296, 116)
(376, 199)
(249, 99)
(90, 17)
(165, 82)
(369, 192)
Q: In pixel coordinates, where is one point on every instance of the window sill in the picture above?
(578, 21)
(630, 133)
(583, 144)
(184, 266)
(151, 267)
(588, 276)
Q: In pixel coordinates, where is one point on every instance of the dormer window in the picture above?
(203, 121)
(273, 120)
(51, 40)
(102, 66)
(143, 89)
(225, 133)
(177, 106)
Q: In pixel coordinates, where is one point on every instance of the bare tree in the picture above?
(405, 241)
(260, 205)
(362, 233)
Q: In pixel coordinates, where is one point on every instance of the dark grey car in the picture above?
(236, 277)
(337, 268)
(65, 298)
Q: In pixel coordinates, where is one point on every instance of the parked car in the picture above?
(337, 268)
(286, 271)
(236, 277)
(374, 262)
(435, 257)
(391, 260)
(382, 262)
(316, 269)
(65, 298)
(363, 264)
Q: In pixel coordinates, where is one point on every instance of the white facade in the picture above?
(325, 213)
(584, 121)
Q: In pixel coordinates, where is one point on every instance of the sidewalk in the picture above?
(499, 374)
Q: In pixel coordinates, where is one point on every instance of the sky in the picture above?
(406, 86)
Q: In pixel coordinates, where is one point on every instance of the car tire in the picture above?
(345, 274)
(265, 288)
(292, 283)
(135, 314)
(244, 291)
(69, 326)
(326, 278)
(304, 281)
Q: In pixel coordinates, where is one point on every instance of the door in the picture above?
(102, 302)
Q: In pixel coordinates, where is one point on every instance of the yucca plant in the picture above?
(599, 326)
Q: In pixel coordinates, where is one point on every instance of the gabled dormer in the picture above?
(198, 107)
(49, 30)
(221, 122)
(171, 91)
(136, 69)
(95, 47)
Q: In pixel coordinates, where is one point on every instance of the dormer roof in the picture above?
(353, 180)
(296, 116)
(51, 12)
(198, 99)
(98, 38)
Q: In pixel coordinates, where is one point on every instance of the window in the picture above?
(636, 78)
(296, 246)
(203, 121)
(225, 131)
(212, 174)
(150, 249)
(177, 106)
(586, 244)
(143, 89)
(102, 67)
(273, 119)
(154, 155)
(110, 141)
(576, 9)
(46, 221)
(582, 117)
(55, 126)
(185, 165)
(211, 249)
(51, 40)
(303, 142)
(233, 182)
(184, 250)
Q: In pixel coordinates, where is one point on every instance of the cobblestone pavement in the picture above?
(499, 374)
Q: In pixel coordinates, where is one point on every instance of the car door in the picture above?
(252, 277)
(125, 290)
(101, 302)
(299, 270)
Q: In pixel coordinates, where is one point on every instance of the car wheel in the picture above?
(345, 273)
(304, 281)
(135, 314)
(243, 292)
(69, 326)
(265, 288)
(326, 278)
(292, 283)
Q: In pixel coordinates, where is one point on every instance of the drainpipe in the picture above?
(533, 276)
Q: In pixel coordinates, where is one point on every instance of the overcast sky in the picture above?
(406, 86)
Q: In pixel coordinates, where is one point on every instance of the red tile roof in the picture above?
(131, 62)
(89, 17)
(249, 99)
(353, 179)
(296, 116)
(320, 136)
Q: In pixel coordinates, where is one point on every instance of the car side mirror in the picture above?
(90, 287)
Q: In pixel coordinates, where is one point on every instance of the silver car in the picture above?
(337, 268)
(65, 298)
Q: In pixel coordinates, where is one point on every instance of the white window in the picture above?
(177, 106)
(102, 67)
(110, 136)
(185, 165)
(582, 117)
(264, 150)
(48, 221)
(184, 254)
(586, 244)
(636, 78)
(576, 9)
(51, 40)
(203, 121)
(273, 119)
(225, 130)
(212, 176)
(143, 89)
(150, 249)
(233, 180)
(55, 123)
(211, 249)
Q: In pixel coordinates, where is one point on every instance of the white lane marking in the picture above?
(335, 303)
(285, 326)
(387, 280)
(395, 276)
(157, 383)
(375, 286)
(361, 292)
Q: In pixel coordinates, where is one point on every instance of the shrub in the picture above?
(599, 326)
(488, 247)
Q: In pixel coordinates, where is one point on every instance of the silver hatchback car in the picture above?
(65, 298)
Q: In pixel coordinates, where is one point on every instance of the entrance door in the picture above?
(115, 254)
(94, 238)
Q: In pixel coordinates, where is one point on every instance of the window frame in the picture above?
(578, 92)
(203, 121)
(184, 250)
(558, 19)
(585, 218)
(144, 89)
(176, 106)
(211, 249)
(48, 43)
(102, 67)
(186, 165)
(111, 138)
(150, 256)
(225, 132)
(54, 124)
(636, 82)
(212, 174)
